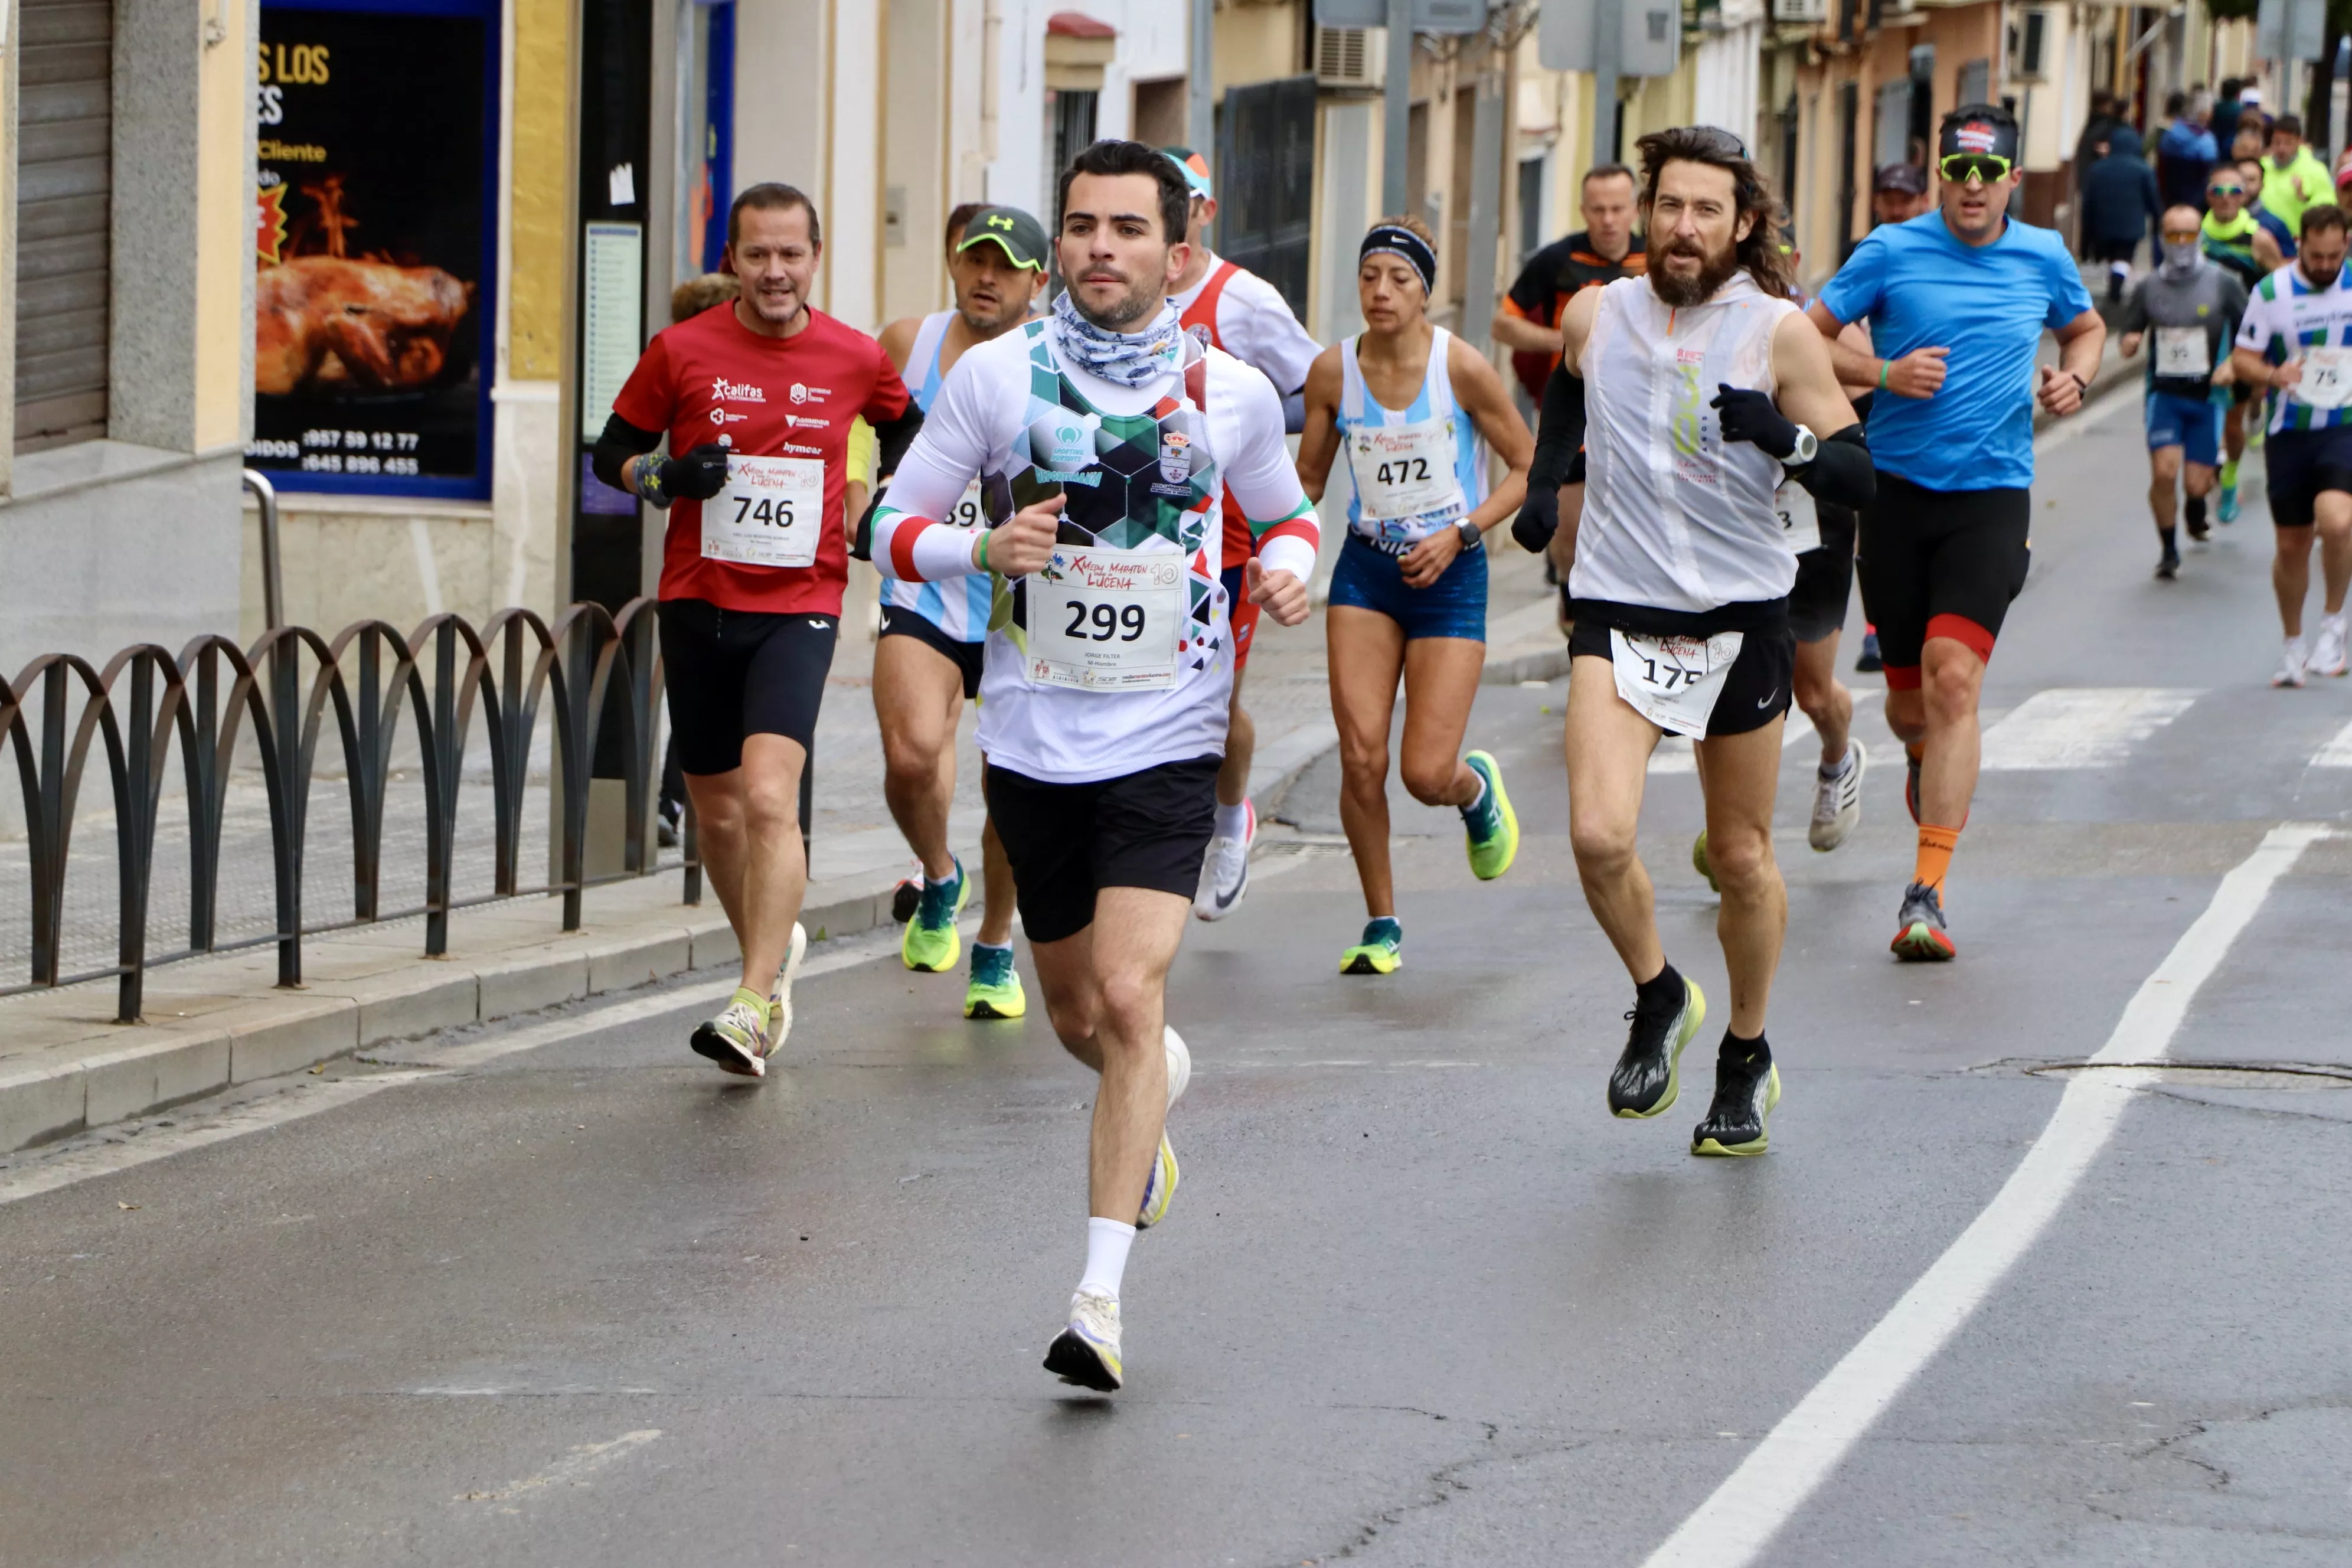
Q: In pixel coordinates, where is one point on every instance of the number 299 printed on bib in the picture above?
(1105, 620)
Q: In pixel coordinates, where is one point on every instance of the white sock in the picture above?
(948, 881)
(1477, 800)
(1837, 769)
(1233, 821)
(1107, 1244)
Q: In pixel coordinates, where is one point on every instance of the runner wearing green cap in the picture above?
(927, 662)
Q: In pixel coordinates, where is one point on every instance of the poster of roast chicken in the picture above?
(373, 235)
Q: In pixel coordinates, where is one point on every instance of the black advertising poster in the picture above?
(375, 237)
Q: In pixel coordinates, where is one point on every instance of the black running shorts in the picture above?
(732, 673)
(1940, 564)
(899, 621)
(1758, 691)
(1067, 841)
(2301, 464)
(1817, 604)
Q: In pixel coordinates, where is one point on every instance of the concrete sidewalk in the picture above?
(65, 1066)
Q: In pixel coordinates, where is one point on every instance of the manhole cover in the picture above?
(2270, 1076)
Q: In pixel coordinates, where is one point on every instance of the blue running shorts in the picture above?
(1368, 578)
(2192, 424)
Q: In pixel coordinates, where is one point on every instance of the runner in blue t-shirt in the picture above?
(1957, 302)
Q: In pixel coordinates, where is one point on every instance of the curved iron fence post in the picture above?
(134, 833)
(273, 575)
(448, 748)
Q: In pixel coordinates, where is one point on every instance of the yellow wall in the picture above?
(1256, 43)
(542, 65)
(224, 230)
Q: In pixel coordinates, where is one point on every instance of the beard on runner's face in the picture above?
(1138, 303)
(1684, 290)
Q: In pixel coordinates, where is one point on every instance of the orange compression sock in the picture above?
(1935, 846)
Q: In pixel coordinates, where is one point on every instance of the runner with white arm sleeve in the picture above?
(1105, 440)
(2296, 339)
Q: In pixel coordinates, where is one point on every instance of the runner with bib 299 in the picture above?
(1108, 666)
(1415, 410)
(1681, 594)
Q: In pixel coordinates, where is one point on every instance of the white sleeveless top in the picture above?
(959, 607)
(1415, 469)
(1674, 517)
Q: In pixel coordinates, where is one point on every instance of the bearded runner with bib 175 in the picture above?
(1230, 308)
(1958, 301)
(756, 398)
(1108, 665)
(1415, 411)
(926, 660)
(2297, 340)
(1681, 592)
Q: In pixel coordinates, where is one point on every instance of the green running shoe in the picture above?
(995, 989)
(1491, 824)
(1701, 864)
(932, 945)
(1381, 953)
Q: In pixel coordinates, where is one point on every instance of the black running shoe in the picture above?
(2167, 566)
(1648, 1074)
(1869, 663)
(905, 898)
(1747, 1088)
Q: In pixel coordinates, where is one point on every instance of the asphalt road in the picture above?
(1421, 1300)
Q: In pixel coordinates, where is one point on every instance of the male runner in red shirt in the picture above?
(756, 398)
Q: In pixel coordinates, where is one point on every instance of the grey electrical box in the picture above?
(2291, 29)
(1648, 36)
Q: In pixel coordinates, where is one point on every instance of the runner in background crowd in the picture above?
(755, 398)
(1415, 411)
(1230, 308)
(2191, 306)
(927, 660)
(2297, 340)
(2235, 241)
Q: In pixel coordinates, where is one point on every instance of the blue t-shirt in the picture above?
(1988, 304)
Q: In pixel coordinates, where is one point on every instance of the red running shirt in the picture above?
(772, 397)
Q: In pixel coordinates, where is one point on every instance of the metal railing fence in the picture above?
(596, 668)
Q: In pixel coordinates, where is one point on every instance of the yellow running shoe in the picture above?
(931, 944)
(1492, 825)
(1701, 864)
(1381, 953)
(995, 989)
(1161, 1190)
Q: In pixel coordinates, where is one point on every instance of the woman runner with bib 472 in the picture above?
(1413, 411)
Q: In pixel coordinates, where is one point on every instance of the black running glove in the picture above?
(1751, 416)
(1538, 520)
(698, 476)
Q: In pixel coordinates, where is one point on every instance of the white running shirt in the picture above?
(1675, 518)
(1254, 325)
(981, 423)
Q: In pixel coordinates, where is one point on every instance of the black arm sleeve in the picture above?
(619, 443)
(1841, 471)
(896, 437)
(1560, 431)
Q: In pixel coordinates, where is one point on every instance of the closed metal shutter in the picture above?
(1265, 186)
(65, 163)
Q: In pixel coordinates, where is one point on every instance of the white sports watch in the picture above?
(1808, 447)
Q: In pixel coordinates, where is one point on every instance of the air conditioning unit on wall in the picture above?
(1801, 10)
(1350, 56)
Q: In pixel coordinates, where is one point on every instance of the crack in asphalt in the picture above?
(1441, 1486)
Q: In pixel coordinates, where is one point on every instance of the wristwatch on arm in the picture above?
(1807, 448)
(1473, 536)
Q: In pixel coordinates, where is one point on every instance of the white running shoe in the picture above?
(2328, 653)
(1180, 1064)
(1226, 876)
(780, 999)
(2291, 664)
(1837, 801)
(1086, 1351)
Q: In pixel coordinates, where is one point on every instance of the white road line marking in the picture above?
(2337, 752)
(2080, 727)
(308, 1096)
(573, 1470)
(1739, 1519)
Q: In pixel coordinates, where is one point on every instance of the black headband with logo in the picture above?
(1391, 239)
